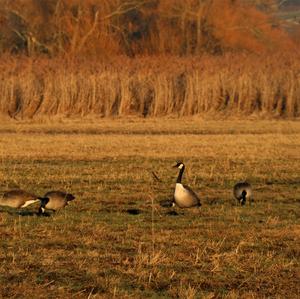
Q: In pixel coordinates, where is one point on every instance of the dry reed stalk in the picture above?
(152, 87)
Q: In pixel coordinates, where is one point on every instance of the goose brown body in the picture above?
(57, 200)
(184, 196)
(19, 199)
(242, 192)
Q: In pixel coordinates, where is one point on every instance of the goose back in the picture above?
(18, 199)
(57, 200)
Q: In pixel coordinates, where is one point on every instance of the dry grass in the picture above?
(236, 85)
(94, 249)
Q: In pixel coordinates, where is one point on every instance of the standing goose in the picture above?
(20, 199)
(242, 191)
(184, 196)
(57, 200)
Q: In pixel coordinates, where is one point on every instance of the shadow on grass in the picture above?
(172, 213)
(25, 213)
(133, 211)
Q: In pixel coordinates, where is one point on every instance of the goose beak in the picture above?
(176, 165)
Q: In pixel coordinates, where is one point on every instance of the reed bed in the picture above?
(230, 85)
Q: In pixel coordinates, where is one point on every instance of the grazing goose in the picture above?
(57, 200)
(20, 199)
(242, 191)
(184, 196)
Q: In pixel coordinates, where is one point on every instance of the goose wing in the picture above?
(193, 194)
(18, 193)
(60, 194)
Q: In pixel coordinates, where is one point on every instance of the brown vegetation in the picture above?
(71, 58)
(226, 85)
(177, 27)
(94, 248)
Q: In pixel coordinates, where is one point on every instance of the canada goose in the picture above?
(57, 200)
(242, 191)
(20, 199)
(184, 196)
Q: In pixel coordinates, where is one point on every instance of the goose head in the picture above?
(44, 200)
(179, 165)
(70, 197)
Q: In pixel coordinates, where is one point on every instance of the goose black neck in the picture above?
(180, 175)
(244, 194)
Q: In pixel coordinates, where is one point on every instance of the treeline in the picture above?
(101, 28)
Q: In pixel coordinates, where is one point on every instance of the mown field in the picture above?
(95, 249)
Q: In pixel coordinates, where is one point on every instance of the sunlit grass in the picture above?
(95, 248)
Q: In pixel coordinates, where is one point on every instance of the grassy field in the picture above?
(95, 249)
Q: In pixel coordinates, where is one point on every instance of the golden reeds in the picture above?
(235, 85)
